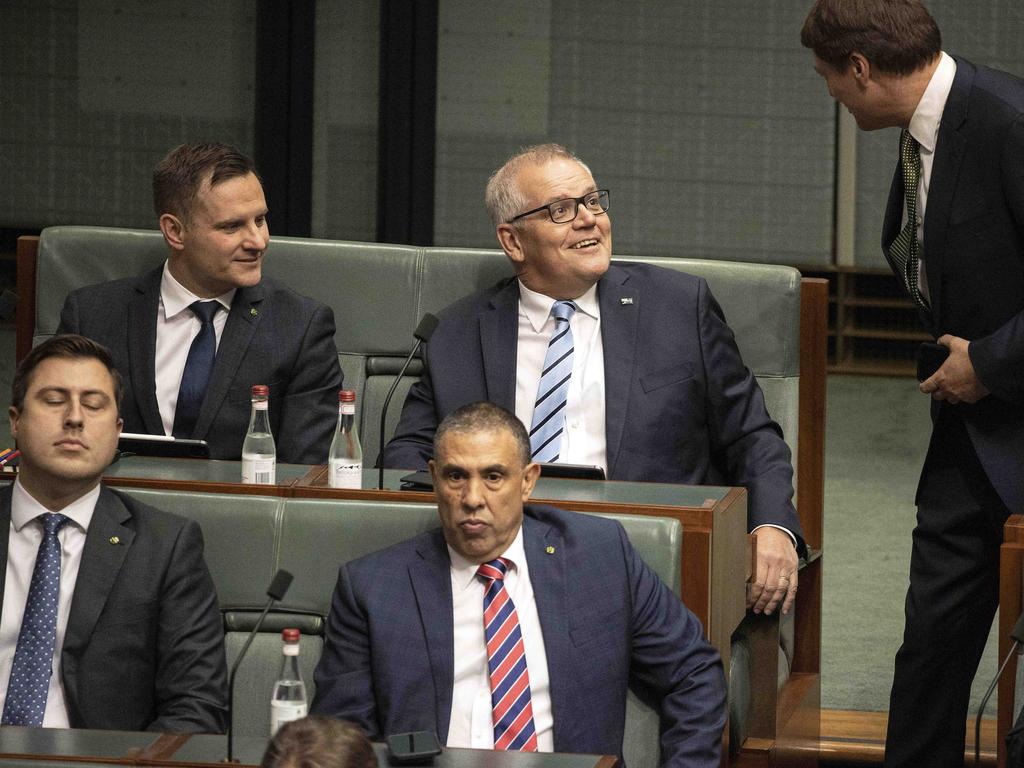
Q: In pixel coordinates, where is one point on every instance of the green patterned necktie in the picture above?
(905, 250)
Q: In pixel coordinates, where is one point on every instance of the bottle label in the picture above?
(282, 712)
(347, 409)
(261, 405)
(345, 473)
(259, 471)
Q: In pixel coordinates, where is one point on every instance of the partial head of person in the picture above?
(64, 414)
(213, 216)
(876, 56)
(551, 220)
(482, 478)
(319, 742)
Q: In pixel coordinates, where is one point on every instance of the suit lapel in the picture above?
(101, 563)
(142, 316)
(432, 585)
(546, 560)
(5, 534)
(949, 153)
(498, 339)
(243, 320)
(620, 313)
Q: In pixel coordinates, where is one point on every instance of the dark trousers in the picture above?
(954, 591)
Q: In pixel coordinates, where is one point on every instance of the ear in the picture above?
(173, 231)
(510, 239)
(530, 475)
(432, 466)
(12, 417)
(860, 67)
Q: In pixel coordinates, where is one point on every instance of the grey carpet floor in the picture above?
(876, 434)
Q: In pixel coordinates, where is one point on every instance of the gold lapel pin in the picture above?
(549, 550)
(115, 539)
(253, 311)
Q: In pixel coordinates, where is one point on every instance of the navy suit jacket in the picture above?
(974, 258)
(680, 405)
(144, 645)
(272, 336)
(608, 623)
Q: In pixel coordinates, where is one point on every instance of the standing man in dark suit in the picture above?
(515, 628)
(954, 233)
(192, 337)
(648, 382)
(112, 595)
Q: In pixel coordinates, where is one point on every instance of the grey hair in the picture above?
(484, 416)
(503, 197)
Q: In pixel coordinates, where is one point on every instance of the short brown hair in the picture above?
(319, 742)
(178, 177)
(69, 346)
(485, 416)
(896, 36)
(503, 197)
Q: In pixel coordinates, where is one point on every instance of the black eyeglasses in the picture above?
(561, 211)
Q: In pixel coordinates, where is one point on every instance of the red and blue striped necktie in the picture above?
(512, 712)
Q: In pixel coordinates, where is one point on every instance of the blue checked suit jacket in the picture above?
(608, 623)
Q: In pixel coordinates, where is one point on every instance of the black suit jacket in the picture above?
(974, 258)
(272, 336)
(680, 405)
(607, 620)
(144, 645)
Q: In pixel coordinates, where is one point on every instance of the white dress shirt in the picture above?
(23, 539)
(176, 327)
(470, 724)
(924, 127)
(583, 440)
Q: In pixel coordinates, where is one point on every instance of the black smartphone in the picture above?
(416, 748)
(930, 357)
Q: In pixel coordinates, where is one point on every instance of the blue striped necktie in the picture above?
(29, 683)
(553, 391)
(511, 706)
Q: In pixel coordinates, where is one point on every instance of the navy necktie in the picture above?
(33, 658)
(198, 370)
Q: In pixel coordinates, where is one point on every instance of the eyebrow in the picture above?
(567, 196)
(238, 220)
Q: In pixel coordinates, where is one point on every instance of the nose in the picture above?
(472, 493)
(584, 217)
(73, 416)
(258, 236)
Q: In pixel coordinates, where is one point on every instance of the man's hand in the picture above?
(775, 579)
(955, 381)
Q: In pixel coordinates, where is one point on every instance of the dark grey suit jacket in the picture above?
(680, 405)
(608, 623)
(144, 646)
(974, 258)
(272, 336)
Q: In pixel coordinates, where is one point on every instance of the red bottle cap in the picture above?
(260, 390)
(290, 635)
(346, 395)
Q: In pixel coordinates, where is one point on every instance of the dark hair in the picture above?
(896, 36)
(69, 346)
(178, 177)
(319, 742)
(484, 417)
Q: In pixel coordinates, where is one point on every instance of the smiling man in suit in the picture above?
(193, 336)
(954, 235)
(629, 367)
(111, 595)
(515, 626)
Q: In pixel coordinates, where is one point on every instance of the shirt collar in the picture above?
(25, 508)
(924, 124)
(177, 298)
(537, 306)
(463, 570)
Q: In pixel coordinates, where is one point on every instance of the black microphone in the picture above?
(1017, 633)
(282, 580)
(422, 333)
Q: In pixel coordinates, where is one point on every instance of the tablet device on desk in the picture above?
(135, 444)
(422, 481)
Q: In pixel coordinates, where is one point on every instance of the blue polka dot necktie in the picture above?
(198, 370)
(553, 390)
(33, 657)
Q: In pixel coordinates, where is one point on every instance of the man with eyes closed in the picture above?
(629, 367)
(108, 615)
(192, 336)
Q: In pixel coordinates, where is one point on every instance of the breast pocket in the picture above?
(664, 377)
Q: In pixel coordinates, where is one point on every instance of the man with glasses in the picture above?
(629, 367)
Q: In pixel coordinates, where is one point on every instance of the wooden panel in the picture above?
(1011, 601)
(811, 445)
